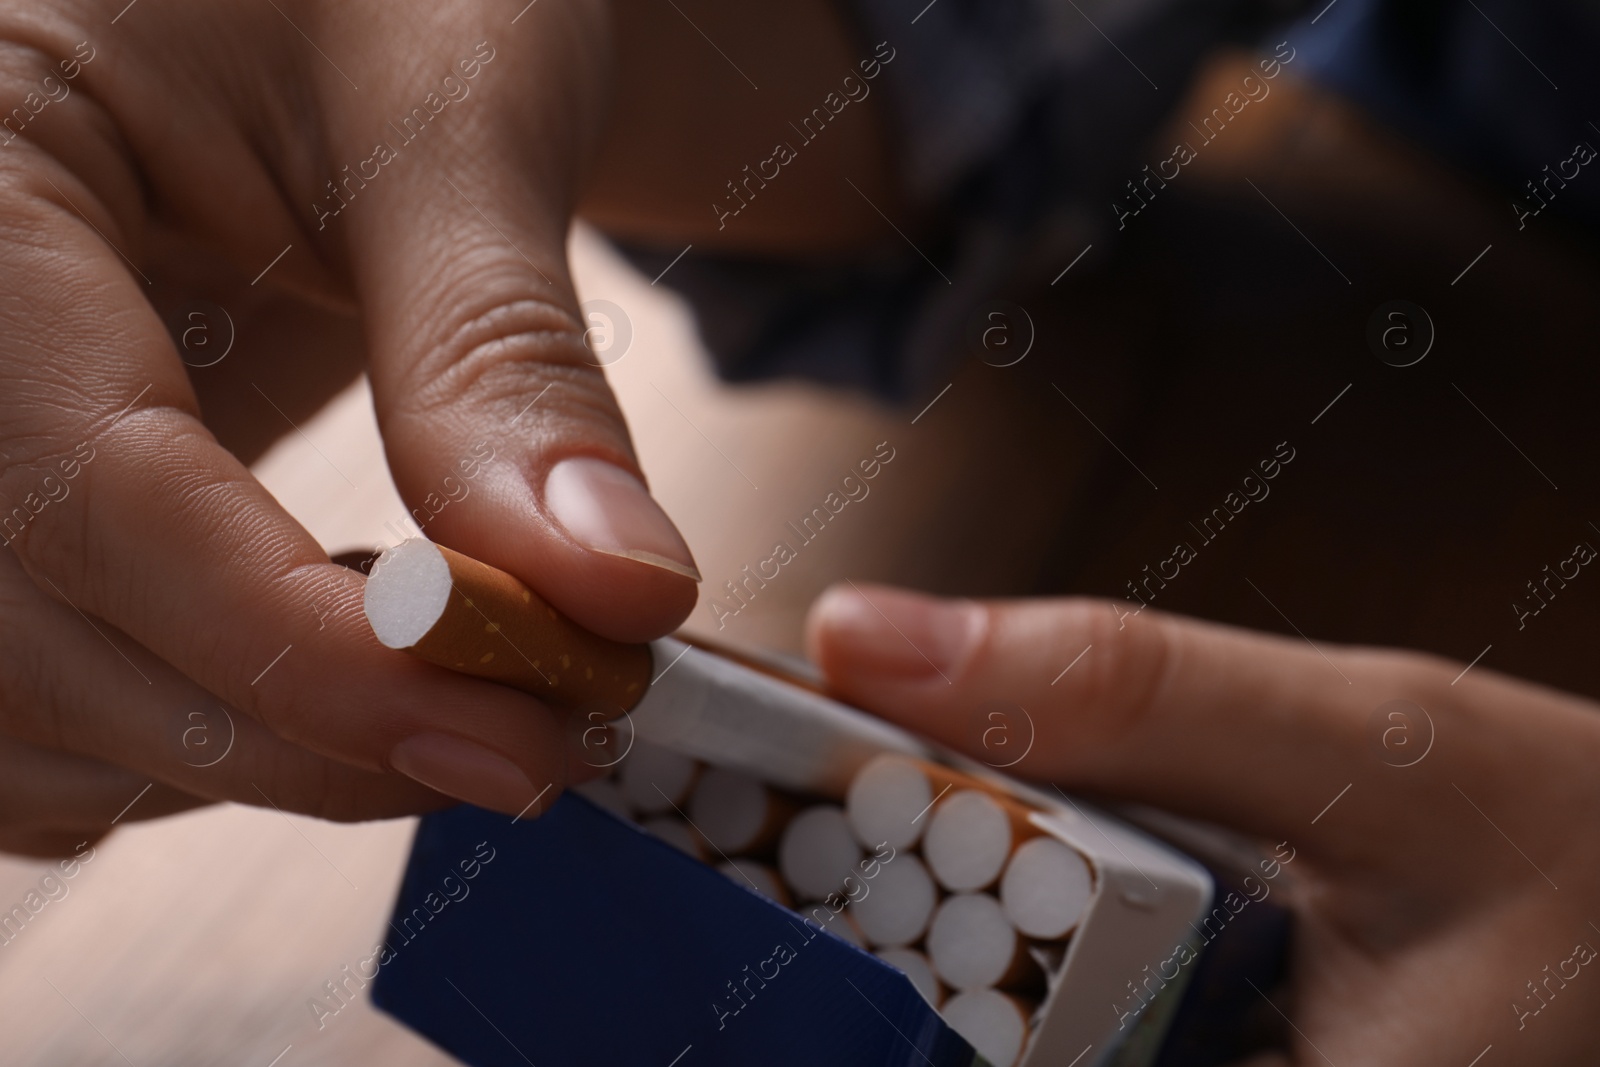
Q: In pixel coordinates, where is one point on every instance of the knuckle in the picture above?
(1128, 666)
(497, 358)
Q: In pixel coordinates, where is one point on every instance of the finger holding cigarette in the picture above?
(451, 610)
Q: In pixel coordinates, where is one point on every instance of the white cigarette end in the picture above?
(817, 852)
(971, 943)
(993, 1023)
(407, 592)
(899, 901)
(731, 808)
(653, 779)
(888, 802)
(968, 840)
(1045, 889)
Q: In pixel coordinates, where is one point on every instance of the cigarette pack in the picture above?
(581, 938)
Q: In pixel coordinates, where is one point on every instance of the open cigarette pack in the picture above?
(767, 876)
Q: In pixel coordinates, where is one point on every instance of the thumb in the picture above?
(1246, 729)
(501, 432)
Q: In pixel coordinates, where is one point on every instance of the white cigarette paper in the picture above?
(973, 945)
(653, 779)
(899, 902)
(914, 965)
(1046, 887)
(818, 852)
(968, 840)
(993, 1023)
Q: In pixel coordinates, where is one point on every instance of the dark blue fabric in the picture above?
(585, 942)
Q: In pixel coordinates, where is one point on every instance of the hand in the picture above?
(359, 178)
(1427, 862)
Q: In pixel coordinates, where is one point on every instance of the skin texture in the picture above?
(160, 588)
(184, 150)
(1418, 920)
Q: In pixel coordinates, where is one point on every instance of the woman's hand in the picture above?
(349, 178)
(1443, 819)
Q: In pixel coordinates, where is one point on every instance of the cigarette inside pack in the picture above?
(949, 875)
(938, 873)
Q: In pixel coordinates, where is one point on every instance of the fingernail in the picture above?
(610, 511)
(908, 635)
(464, 770)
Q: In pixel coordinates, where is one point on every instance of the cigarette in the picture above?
(735, 812)
(603, 793)
(654, 779)
(972, 945)
(451, 610)
(891, 795)
(818, 852)
(1046, 888)
(899, 901)
(914, 965)
(844, 927)
(677, 833)
(994, 1024)
(756, 875)
(970, 836)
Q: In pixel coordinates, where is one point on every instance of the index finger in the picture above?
(132, 513)
(1255, 731)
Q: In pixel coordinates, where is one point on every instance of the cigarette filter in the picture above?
(973, 946)
(818, 852)
(996, 1024)
(899, 902)
(451, 610)
(1046, 888)
(736, 811)
(970, 836)
(654, 779)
